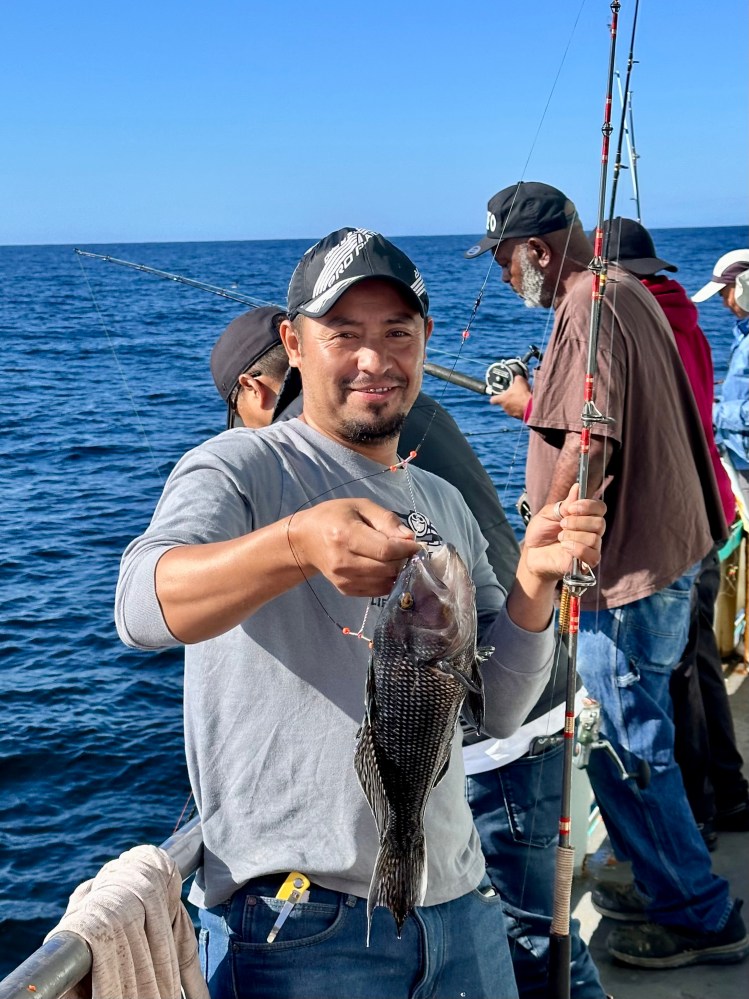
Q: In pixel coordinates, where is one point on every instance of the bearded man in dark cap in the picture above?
(664, 515)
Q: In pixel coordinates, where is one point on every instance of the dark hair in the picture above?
(273, 363)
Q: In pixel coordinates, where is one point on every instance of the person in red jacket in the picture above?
(705, 745)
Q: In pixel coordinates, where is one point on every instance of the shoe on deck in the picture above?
(618, 901)
(709, 835)
(733, 819)
(652, 945)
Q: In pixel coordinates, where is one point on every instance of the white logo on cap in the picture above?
(340, 258)
(491, 222)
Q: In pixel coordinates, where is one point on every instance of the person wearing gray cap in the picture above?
(267, 551)
(730, 279)
(663, 515)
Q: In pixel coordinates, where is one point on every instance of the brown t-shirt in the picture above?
(663, 503)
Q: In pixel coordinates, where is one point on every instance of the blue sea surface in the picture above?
(105, 384)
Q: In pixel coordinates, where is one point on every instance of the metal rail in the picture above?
(65, 958)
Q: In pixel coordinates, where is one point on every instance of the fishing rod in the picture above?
(499, 374)
(233, 295)
(579, 579)
(498, 378)
(622, 129)
(633, 158)
(629, 135)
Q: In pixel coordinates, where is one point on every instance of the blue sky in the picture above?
(245, 120)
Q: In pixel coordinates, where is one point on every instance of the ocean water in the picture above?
(105, 383)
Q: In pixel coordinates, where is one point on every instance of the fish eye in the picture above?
(406, 601)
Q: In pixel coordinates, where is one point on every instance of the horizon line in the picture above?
(311, 240)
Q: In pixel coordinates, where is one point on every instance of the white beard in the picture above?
(532, 280)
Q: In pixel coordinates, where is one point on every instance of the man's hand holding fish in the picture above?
(262, 542)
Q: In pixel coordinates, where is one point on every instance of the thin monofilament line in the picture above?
(522, 429)
(123, 376)
(535, 138)
(479, 298)
(402, 463)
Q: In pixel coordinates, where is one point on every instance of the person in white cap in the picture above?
(731, 413)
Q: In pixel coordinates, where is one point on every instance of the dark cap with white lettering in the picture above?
(340, 260)
(524, 209)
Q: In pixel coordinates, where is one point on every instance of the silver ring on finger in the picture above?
(558, 510)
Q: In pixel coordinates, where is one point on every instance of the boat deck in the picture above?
(731, 860)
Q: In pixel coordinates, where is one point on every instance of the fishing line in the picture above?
(402, 463)
(548, 320)
(477, 303)
(464, 336)
(121, 370)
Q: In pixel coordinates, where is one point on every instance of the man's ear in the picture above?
(290, 340)
(250, 384)
(541, 250)
(428, 327)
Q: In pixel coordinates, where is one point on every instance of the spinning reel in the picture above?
(500, 374)
(589, 738)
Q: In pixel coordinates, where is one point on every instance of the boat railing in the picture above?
(65, 958)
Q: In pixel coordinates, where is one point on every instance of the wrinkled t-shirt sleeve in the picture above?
(519, 667)
(208, 498)
(559, 382)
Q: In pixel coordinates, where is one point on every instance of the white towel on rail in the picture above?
(140, 934)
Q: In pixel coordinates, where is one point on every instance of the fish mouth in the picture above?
(434, 594)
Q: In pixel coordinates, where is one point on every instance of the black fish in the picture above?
(424, 664)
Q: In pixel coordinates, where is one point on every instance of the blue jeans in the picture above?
(445, 951)
(626, 656)
(516, 811)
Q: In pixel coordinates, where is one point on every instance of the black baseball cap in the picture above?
(524, 209)
(631, 245)
(337, 262)
(244, 341)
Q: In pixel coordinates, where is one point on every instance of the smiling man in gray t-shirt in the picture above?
(263, 545)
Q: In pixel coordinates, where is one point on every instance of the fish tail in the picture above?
(399, 880)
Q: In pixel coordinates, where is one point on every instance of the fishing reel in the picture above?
(500, 374)
(588, 738)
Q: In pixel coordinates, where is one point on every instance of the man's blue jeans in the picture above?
(516, 811)
(626, 656)
(455, 949)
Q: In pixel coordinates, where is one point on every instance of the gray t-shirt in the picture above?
(273, 706)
